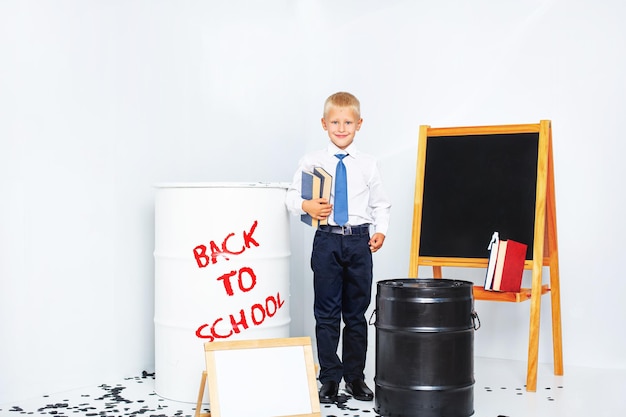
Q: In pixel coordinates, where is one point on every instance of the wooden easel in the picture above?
(292, 355)
(544, 248)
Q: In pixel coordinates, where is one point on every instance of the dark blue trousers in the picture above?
(342, 280)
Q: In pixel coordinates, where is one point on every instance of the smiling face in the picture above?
(341, 123)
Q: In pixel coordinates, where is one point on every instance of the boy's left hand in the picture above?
(376, 241)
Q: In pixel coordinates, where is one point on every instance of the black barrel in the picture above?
(424, 348)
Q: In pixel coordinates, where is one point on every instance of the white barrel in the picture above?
(221, 273)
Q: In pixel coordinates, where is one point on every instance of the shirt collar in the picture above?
(350, 150)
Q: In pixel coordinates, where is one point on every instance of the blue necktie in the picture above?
(341, 192)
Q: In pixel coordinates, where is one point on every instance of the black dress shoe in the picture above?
(359, 390)
(328, 392)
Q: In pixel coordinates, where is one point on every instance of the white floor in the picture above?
(499, 391)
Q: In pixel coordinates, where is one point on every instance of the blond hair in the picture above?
(343, 99)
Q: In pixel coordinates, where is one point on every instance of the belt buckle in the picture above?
(346, 230)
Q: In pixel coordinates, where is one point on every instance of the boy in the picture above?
(341, 259)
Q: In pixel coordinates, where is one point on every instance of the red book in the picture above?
(509, 266)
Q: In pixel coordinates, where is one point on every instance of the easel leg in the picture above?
(557, 339)
(555, 287)
(436, 271)
(533, 338)
(200, 396)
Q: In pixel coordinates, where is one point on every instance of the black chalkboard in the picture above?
(474, 185)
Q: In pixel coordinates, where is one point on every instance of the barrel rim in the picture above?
(281, 185)
(442, 282)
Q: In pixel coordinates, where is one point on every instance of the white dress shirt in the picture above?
(367, 199)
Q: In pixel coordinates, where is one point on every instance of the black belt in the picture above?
(362, 229)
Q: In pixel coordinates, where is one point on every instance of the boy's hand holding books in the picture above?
(316, 194)
(317, 208)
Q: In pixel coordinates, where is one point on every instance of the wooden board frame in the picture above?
(244, 347)
(545, 245)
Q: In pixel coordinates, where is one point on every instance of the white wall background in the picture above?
(100, 100)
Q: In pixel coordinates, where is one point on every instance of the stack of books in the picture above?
(506, 264)
(315, 184)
